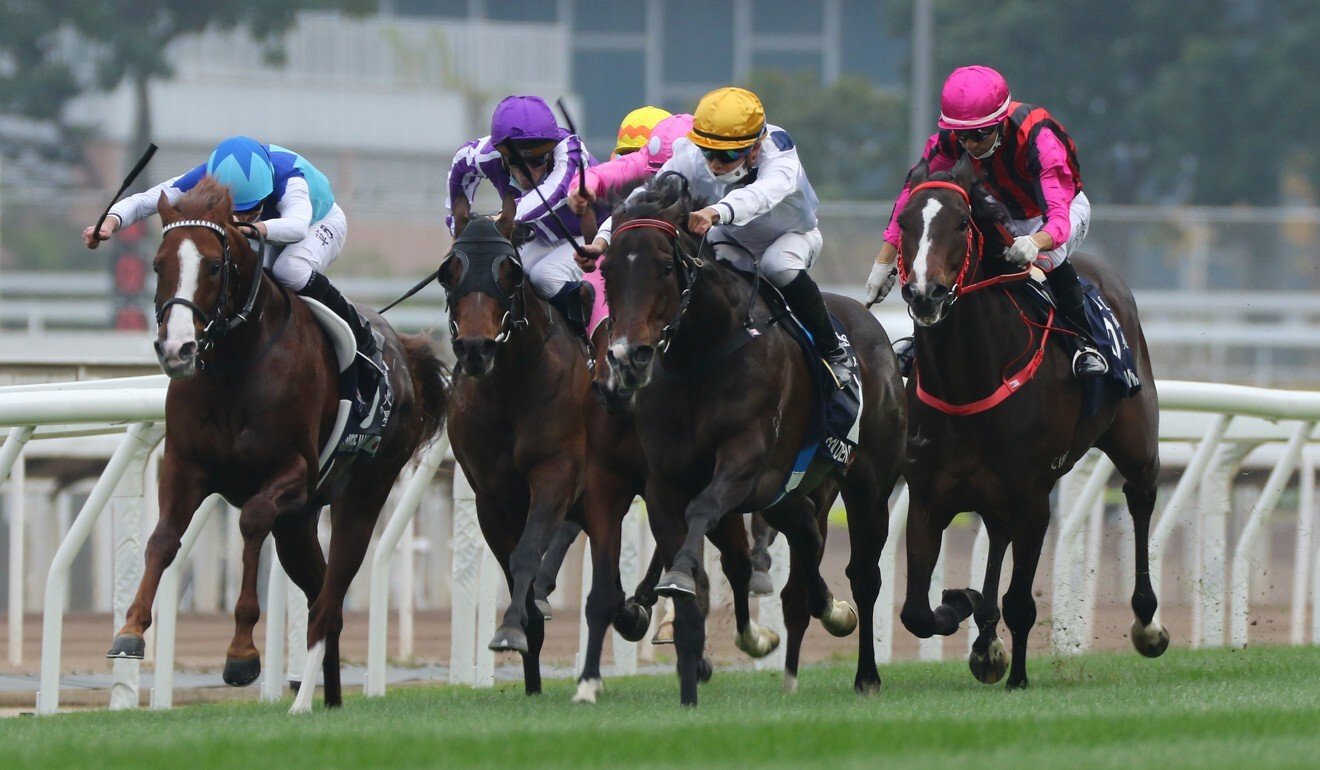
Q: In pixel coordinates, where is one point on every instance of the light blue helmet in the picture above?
(243, 165)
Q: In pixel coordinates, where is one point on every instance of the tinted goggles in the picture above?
(976, 134)
(725, 156)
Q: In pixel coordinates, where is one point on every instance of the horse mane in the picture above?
(208, 200)
(649, 200)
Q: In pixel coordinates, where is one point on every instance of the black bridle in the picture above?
(489, 251)
(216, 323)
(686, 269)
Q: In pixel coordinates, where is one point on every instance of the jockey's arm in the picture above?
(1057, 188)
(936, 160)
(554, 188)
(776, 179)
(295, 219)
(136, 208)
(464, 176)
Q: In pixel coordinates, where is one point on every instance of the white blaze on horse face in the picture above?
(924, 241)
(179, 319)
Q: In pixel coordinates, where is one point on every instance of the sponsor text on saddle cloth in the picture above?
(364, 407)
(830, 442)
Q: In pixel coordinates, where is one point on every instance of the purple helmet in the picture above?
(524, 117)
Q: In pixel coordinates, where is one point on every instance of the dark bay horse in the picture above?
(253, 395)
(517, 414)
(1011, 435)
(721, 423)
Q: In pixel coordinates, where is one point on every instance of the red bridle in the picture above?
(975, 242)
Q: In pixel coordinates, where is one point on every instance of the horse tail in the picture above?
(430, 382)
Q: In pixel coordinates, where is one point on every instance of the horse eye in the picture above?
(668, 269)
(215, 268)
(964, 223)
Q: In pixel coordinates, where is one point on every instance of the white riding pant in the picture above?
(781, 260)
(294, 264)
(1079, 214)
(549, 266)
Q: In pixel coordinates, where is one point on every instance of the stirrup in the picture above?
(838, 366)
(905, 348)
(1087, 363)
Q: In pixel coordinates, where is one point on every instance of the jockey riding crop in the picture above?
(512, 153)
(588, 218)
(128, 180)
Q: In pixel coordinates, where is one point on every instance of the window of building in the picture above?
(698, 42)
(779, 17)
(609, 16)
(611, 84)
(788, 61)
(869, 45)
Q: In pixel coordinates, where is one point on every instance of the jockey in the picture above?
(635, 129)
(288, 200)
(553, 156)
(764, 209)
(1030, 163)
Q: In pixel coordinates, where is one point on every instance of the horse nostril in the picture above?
(160, 348)
(643, 355)
(938, 292)
(488, 348)
(907, 292)
(188, 350)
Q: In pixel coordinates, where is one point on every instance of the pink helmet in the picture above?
(660, 147)
(973, 97)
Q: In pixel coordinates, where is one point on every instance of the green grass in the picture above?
(1257, 708)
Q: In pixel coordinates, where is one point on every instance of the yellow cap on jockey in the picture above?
(636, 127)
(727, 119)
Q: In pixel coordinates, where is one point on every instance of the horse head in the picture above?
(201, 267)
(950, 224)
(483, 281)
(649, 269)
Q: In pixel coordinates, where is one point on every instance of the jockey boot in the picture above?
(320, 289)
(1067, 289)
(905, 348)
(573, 302)
(806, 303)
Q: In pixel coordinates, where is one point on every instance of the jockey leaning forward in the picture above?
(289, 201)
(764, 209)
(1030, 164)
(554, 157)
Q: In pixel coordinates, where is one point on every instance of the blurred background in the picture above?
(1195, 123)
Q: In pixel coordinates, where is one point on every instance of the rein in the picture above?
(687, 269)
(217, 325)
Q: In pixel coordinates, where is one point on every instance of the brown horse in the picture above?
(722, 415)
(517, 414)
(253, 395)
(1002, 437)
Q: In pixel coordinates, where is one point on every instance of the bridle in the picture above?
(513, 303)
(686, 270)
(217, 325)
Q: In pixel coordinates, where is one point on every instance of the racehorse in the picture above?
(517, 414)
(722, 419)
(984, 434)
(253, 395)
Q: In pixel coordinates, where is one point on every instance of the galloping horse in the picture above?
(517, 414)
(984, 434)
(253, 395)
(721, 420)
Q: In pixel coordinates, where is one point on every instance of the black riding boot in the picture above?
(1063, 281)
(320, 289)
(806, 303)
(574, 302)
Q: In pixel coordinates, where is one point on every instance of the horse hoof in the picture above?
(1151, 641)
(676, 585)
(128, 647)
(790, 684)
(509, 640)
(664, 633)
(990, 667)
(866, 687)
(241, 673)
(1016, 684)
(631, 621)
(963, 601)
(840, 619)
(705, 670)
(588, 690)
(760, 584)
(544, 607)
(757, 641)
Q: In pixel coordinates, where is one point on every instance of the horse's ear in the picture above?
(919, 173)
(963, 173)
(168, 213)
(462, 213)
(505, 223)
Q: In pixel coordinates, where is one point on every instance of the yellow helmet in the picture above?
(727, 118)
(636, 127)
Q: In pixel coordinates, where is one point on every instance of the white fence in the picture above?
(1210, 429)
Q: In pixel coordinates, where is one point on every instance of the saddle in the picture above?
(365, 396)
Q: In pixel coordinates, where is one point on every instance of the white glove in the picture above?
(1023, 252)
(880, 282)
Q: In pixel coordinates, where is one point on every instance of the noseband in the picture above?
(971, 251)
(217, 325)
(686, 269)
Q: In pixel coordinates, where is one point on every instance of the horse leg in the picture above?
(925, 535)
(299, 551)
(552, 492)
(987, 659)
(1019, 605)
(762, 536)
(606, 503)
(552, 562)
(801, 522)
(734, 481)
(181, 491)
(867, 504)
(730, 537)
(1148, 635)
(796, 619)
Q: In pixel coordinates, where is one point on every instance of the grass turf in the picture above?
(1257, 708)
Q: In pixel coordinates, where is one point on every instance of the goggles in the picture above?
(976, 134)
(725, 156)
